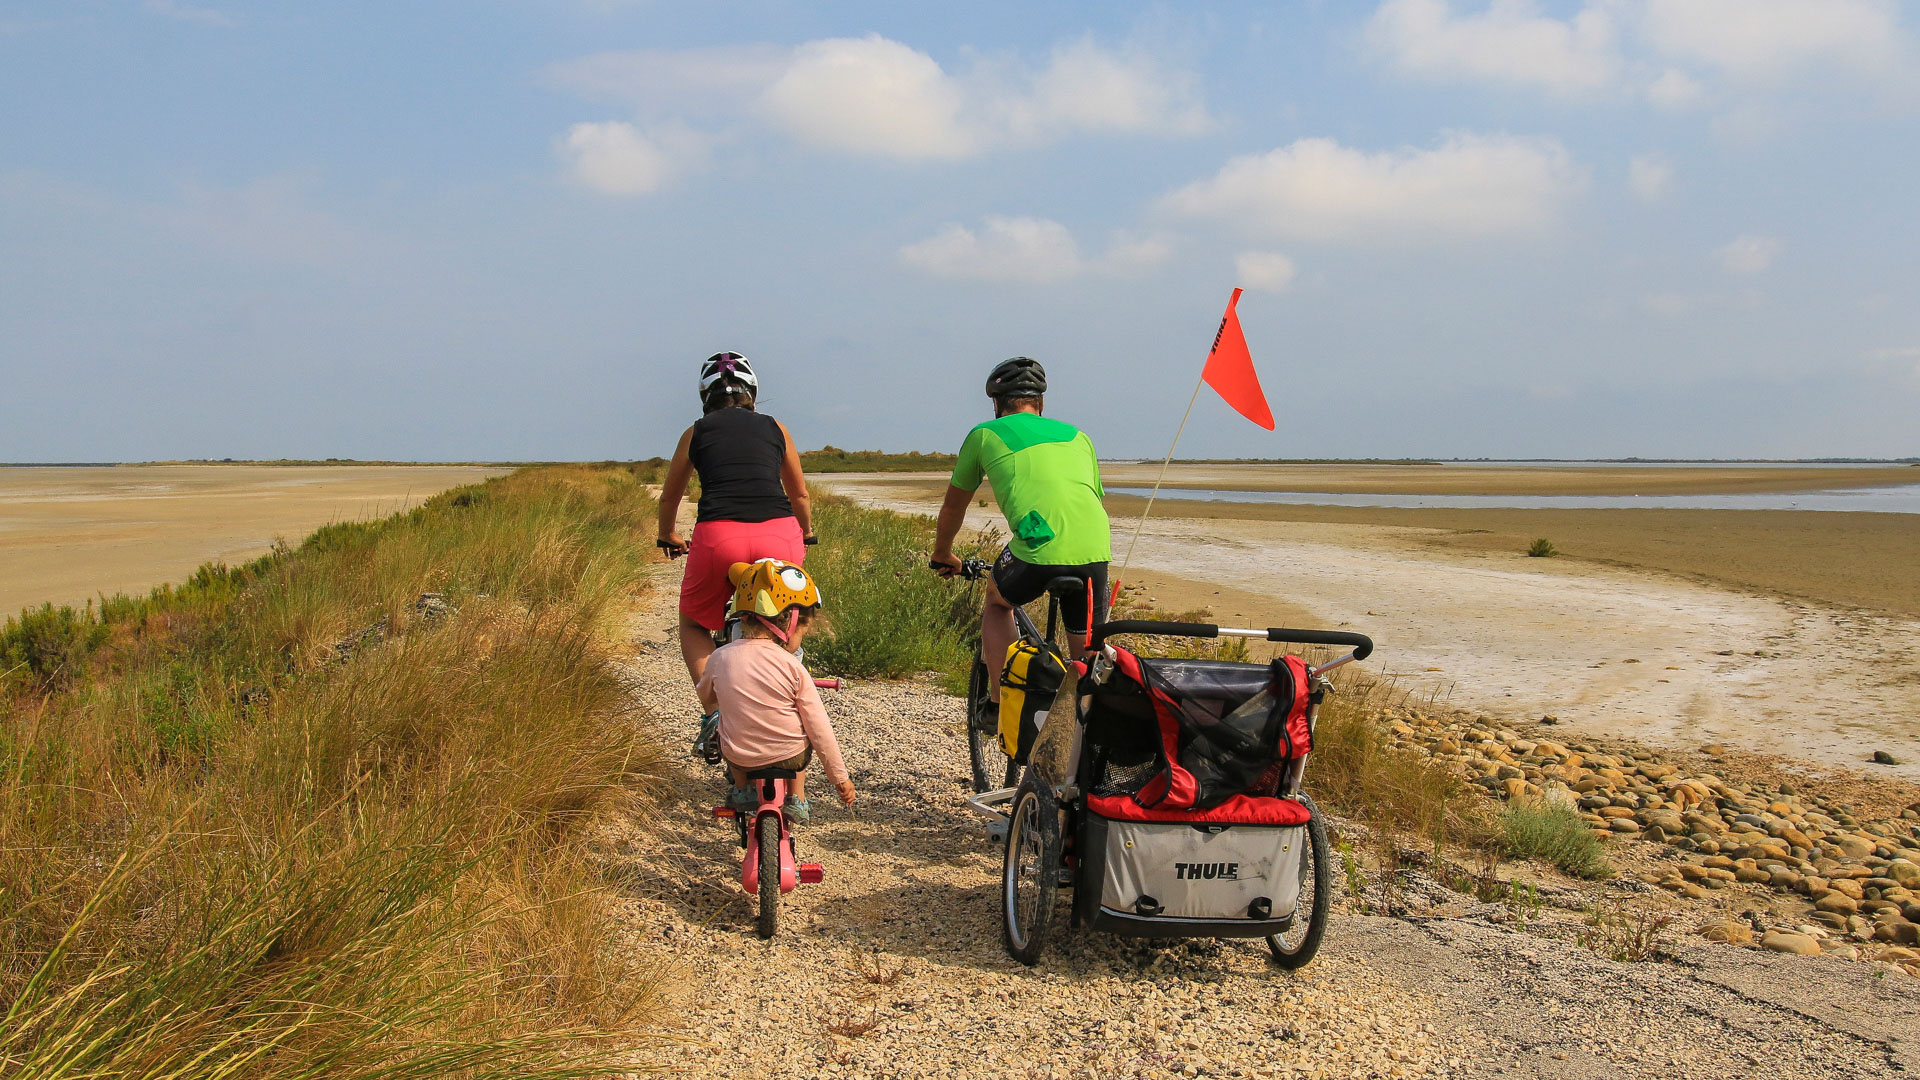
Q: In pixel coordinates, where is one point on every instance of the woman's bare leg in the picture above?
(696, 644)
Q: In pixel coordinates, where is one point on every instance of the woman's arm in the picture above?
(673, 488)
(795, 483)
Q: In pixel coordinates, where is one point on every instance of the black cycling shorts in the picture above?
(1023, 582)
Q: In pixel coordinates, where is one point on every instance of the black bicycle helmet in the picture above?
(727, 372)
(1018, 377)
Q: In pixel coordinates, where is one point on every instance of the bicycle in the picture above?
(984, 748)
(767, 837)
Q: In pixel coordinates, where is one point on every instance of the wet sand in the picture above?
(1669, 649)
(1862, 560)
(1516, 479)
(70, 534)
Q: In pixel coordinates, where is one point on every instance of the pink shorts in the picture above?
(716, 546)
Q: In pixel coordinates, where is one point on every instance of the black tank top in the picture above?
(738, 453)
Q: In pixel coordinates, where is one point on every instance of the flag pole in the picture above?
(1142, 523)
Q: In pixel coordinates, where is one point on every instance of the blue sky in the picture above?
(510, 230)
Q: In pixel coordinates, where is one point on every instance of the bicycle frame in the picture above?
(793, 873)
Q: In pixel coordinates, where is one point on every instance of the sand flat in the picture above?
(1648, 650)
(69, 534)
(1493, 480)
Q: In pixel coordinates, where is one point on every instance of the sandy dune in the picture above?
(1608, 650)
(68, 534)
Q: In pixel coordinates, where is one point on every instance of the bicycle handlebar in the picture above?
(1361, 643)
(970, 569)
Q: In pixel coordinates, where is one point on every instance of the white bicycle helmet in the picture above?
(725, 371)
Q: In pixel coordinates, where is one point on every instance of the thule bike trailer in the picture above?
(1165, 795)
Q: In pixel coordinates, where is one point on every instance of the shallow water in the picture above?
(1884, 500)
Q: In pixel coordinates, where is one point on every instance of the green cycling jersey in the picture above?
(1047, 481)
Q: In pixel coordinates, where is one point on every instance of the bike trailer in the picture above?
(1188, 831)
(1230, 871)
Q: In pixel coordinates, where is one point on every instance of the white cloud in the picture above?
(1648, 177)
(1661, 48)
(1510, 42)
(1087, 88)
(1025, 249)
(1766, 39)
(877, 97)
(872, 96)
(174, 9)
(1749, 253)
(1674, 89)
(616, 158)
(1316, 189)
(1265, 271)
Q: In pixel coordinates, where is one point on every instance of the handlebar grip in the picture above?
(1149, 626)
(810, 540)
(827, 684)
(1362, 644)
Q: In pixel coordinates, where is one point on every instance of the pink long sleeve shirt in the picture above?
(769, 708)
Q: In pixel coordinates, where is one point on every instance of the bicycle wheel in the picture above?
(983, 735)
(1295, 946)
(1030, 877)
(767, 834)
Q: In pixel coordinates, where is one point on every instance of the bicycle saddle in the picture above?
(771, 774)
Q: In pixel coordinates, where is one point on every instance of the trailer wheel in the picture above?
(1295, 946)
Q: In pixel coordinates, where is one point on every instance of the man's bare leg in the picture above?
(997, 631)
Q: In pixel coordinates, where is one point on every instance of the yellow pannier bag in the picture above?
(1028, 685)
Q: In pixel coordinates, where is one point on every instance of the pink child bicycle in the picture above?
(767, 837)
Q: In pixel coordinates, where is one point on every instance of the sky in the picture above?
(511, 229)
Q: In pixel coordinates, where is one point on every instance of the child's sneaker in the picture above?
(706, 745)
(742, 800)
(798, 811)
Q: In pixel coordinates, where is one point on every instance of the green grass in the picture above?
(1542, 548)
(1553, 832)
(275, 822)
(886, 612)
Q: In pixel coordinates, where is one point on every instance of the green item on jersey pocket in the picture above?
(1033, 529)
(1028, 685)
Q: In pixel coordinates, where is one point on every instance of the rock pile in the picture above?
(1854, 885)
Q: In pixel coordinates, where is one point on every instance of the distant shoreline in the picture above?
(917, 454)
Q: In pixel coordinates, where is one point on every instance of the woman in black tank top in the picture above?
(753, 500)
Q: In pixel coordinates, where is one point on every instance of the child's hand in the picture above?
(845, 788)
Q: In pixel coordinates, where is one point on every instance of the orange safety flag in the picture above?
(1230, 371)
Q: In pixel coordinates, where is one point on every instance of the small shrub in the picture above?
(49, 644)
(1553, 832)
(1629, 937)
(1542, 549)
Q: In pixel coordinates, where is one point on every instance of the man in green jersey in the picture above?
(1047, 481)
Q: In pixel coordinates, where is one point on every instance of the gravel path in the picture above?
(893, 967)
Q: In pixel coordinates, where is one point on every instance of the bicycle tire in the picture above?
(1030, 874)
(1288, 951)
(767, 834)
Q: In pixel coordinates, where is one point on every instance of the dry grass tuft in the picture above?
(290, 820)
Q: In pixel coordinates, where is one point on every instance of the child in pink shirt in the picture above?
(770, 711)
